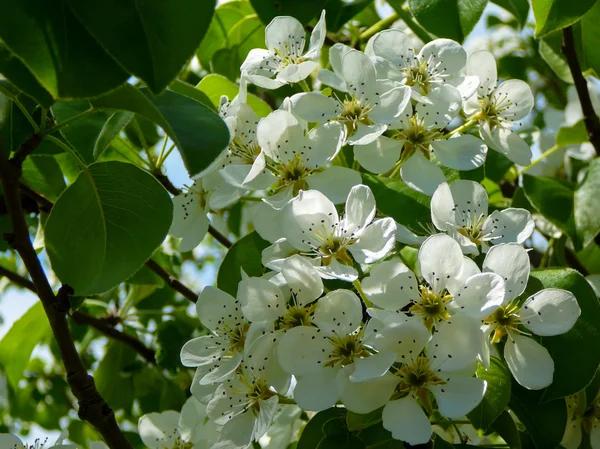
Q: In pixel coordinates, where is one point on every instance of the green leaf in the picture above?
(395, 199)
(247, 34)
(141, 125)
(550, 51)
(496, 165)
(113, 216)
(199, 133)
(572, 135)
(505, 426)
(496, 396)
(589, 55)
(552, 15)
(194, 92)
(545, 193)
(151, 40)
(330, 423)
(518, 8)
(60, 53)
(43, 174)
(338, 12)
(14, 127)
(304, 11)
(113, 375)
(214, 86)
(587, 205)
(357, 421)
(453, 19)
(224, 19)
(21, 77)
(170, 338)
(452, 175)
(573, 348)
(545, 423)
(20, 340)
(245, 254)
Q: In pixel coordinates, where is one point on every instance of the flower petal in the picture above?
(337, 270)
(261, 300)
(12, 442)
(317, 38)
(322, 144)
(360, 209)
(406, 339)
(446, 102)
(516, 99)
(372, 367)
(202, 350)
(529, 362)
(508, 143)
(332, 79)
(364, 397)
(318, 391)
(483, 65)
(407, 421)
(456, 344)
(509, 225)
(159, 430)
(294, 73)
(359, 73)
(458, 204)
(390, 105)
(509, 260)
(440, 259)
(285, 33)
(459, 396)
(338, 313)
(465, 152)
(278, 135)
(393, 45)
(334, 182)
(377, 240)
(421, 174)
(216, 309)
(266, 221)
(366, 134)
(380, 155)
(481, 295)
(551, 311)
(391, 285)
(302, 279)
(303, 350)
(314, 107)
(444, 56)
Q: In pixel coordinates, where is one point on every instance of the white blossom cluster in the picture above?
(406, 341)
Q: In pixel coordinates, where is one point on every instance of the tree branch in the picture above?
(592, 123)
(92, 407)
(172, 281)
(25, 150)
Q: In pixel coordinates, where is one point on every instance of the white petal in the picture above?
(216, 308)
(364, 397)
(595, 435)
(508, 143)
(529, 362)
(280, 199)
(192, 424)
(551, 311)
(456, 344)
(189, 221)
(265, 82)
(223, 370)
(440, 259)
(158, 430)
(483, 65)
(465, 152)
(259, 62)
(339, 312)
(466, 85)
(393, 45)
(405, 339)
(322, 144)
(202, 393)
(457, 204)
(283, 33)
(261, 300)
(336, 54)
(317, 38)
(446, 102)
(294, 73)
(335, 182)
(337, 270)
(266, 221)
(390, 105)
(302, 279)
(509, 225)
(317, 391)
(359, 73)
(278, 135)
(481, 295)
(329, 78)
(380, 155)
(10, 441)
(407, 421)
(421, 174)
(509, 260)
(303, 350)
(267, 410)
(407, 237)
(366, 134)
(391, 285)
(377, 240)
(459, 396)
(314, 107)
(273, 256)
(446, 54)
(372, 367)
(202, 350)
(360, 209)
(515, 98)
(237, 433)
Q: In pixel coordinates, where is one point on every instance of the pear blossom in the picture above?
(312, 225)
(436, 66)
(368, 105)
(548, 312)
(450, 285)
(9, 441)
(582, 417)
(284, 57)
(420, 137)
(174, 430)
(461, 210)
(499, 107)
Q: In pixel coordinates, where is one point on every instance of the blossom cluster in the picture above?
(407, 340)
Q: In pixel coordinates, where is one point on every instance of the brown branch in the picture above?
(44, 204)
(219, 237)
(92, 407)
(592, 123)
(25, 150)
(17, 279)
(172, 281)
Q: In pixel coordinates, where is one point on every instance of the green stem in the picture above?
(546, 257)
(133, 151)
(140, 135)
(419, 31)
(544, 155)
(462, 128)
(361, 293)
(284, 400)
(251, 198)
(69, 150)
(160, 159)
(304, 86)
(379, 26)
(68, 121)
(26, 114)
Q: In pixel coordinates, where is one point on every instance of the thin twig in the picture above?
(172, 281)
(592, 123)
(219, 237)
(17, 279)
(92, 406)
(44, 204)
(25, 150)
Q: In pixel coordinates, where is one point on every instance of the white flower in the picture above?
(311, 224)
(220, 352)
(461, 210)
(442, 366)
(548, 312)
(420, 137)
(498, 108)
(580, 417)
(451, 285)
(9, 441)
(369, 105)
(436, 66)
(284, 58)
(285, 429)
(173, 430)
(300, 159)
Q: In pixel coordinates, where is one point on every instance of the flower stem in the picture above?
(68, 121)
(379, 26)
(251, 198)
(284, 400)
(544, 155)
(462, 128)
(361, 293)
(304, 86)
